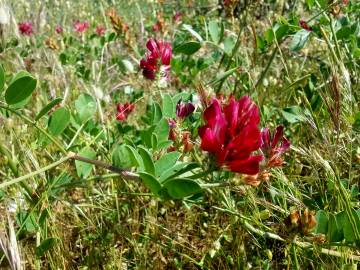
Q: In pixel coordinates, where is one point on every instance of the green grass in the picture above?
(110, 221)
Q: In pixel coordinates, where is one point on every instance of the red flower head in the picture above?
(100, 30)
(271, 148)
(184, 109)
(304, 25)
(231, 134)
(157, 60)
(26, 28)
(59, 29)
(123, 110)
(177, 17)
(81, 27)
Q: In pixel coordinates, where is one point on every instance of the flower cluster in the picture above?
(123, 110)
(81, 27)
(157, 60)
(59, 29)
(100, 30)
(184, 109)
(26, 28)
(231, 134)
(270, 146)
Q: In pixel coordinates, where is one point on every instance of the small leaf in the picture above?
(86, 107)
(299, 40)
(294, 114)
(149, 166)
(20, 88)
(321, 222)
(135, 157)
(168, 106)
(45, 246)
(122, 157)
(188, 48)
(335, 232)
(229, 44)
(193, 32)
(58, 121)
(48, 107)
(162, 130)
(166, 161)
(176, 170)
(83, 169)
(150, 182)
(181, 188)
(2, 78)
(214, 31)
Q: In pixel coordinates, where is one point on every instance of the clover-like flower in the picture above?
(231, 134)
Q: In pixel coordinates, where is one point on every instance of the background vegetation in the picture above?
(298, 60)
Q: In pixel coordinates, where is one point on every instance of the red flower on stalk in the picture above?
(100, 30)
(81, 27)
(304, 25)
(59, 29)
(184, 109)
(231, 134)
(157, 60)
(271, 148)
(26, 28)
(123, 110)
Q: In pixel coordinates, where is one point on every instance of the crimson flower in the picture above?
(184, 109)
(26, 28)
(81, 27)
(100, 30)
(123, 110)
(231, 134)
(271, 148)
(157, 60)
(304, 25)
(177, 17)
(59, 29)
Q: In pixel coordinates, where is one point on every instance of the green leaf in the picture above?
(45, 246)
(27, 221)
(83, 169)
(299, 40)
(162, 130)
(122, 157)
(321, 222)
(229, 44)
(214, 31)
(48, 107)
(193, 32)
(58, 121)
(20, 88)
(188, 48)
(86, 107)
(150, 182)
(2, 78)
(135, 157)
(294, 114)
(165, 162)
(335, 232)
(343, 219)
(149, 166)
(176, 170)
(182, 187)
(168, 106)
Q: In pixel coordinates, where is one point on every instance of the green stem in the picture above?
(34, 173)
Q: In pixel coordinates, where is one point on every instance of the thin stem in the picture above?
(124, 173)
(32, 174)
